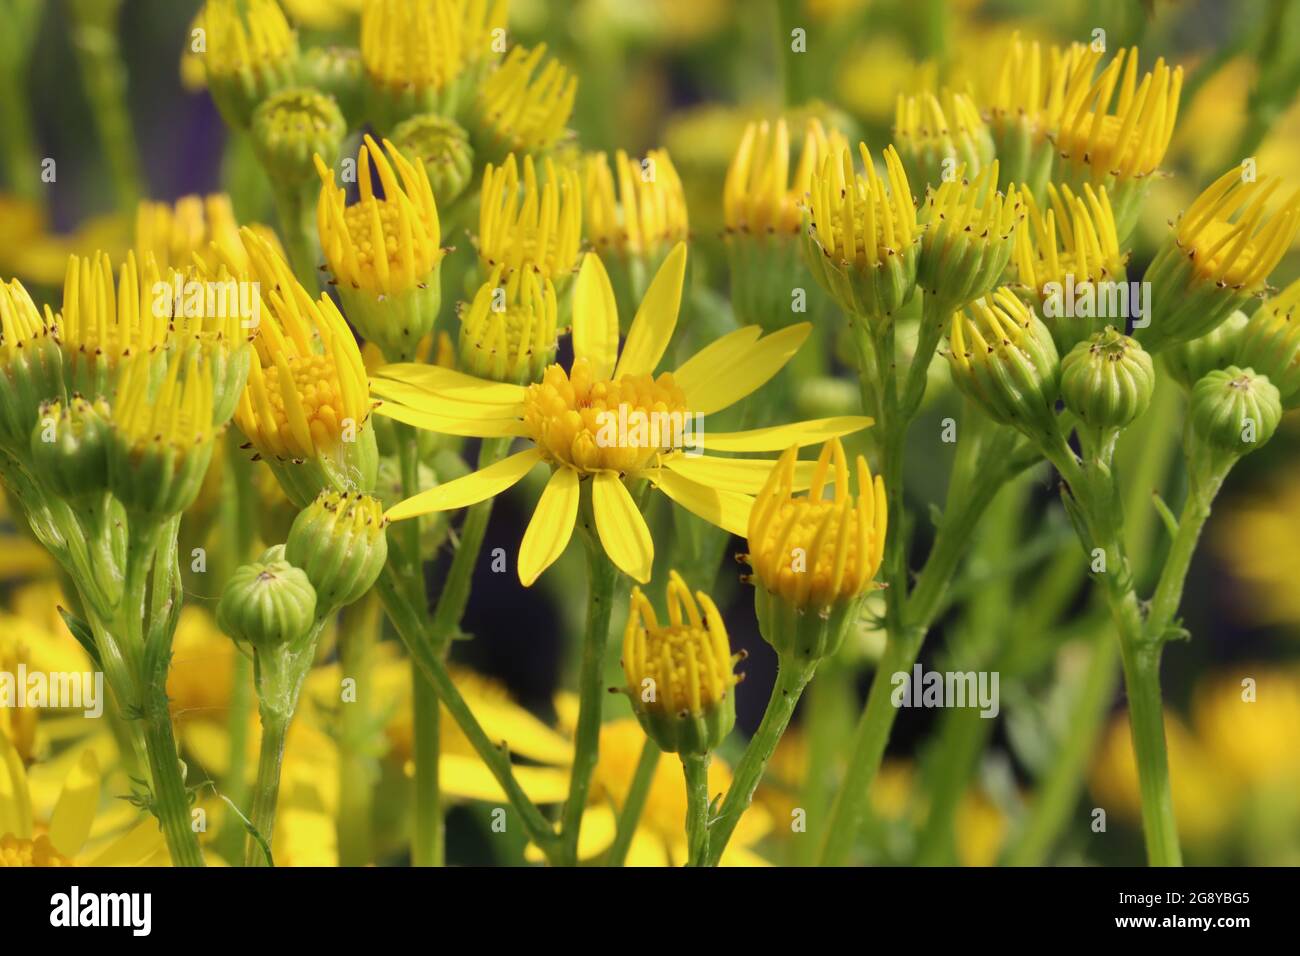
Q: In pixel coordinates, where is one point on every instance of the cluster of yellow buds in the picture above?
(520, 110)
(250, 51)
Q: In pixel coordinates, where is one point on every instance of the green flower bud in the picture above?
(291, 127)
(1234, 411)
(31, 365)
(442, 145)
(1107, 381)
(679, 675)
(1003, 359)
(268, 604)
(339, 542)
(337, 71)
(1188, 362)
(1271, 344)
(509, 331)
(70, 447)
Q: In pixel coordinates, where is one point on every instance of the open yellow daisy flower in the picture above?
(611, 420)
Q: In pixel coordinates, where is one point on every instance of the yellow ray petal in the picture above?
(498, 426)
(595, 318)
(468, 778)
(599, 826)
(726, 509)
(744, 476)
(465, 491)
(551, 526)
(781, 437)
(622, 530)
(75, 812)
(649, 849)
(457, 404)
(15, 799)
(656, 319)
(435, 381)
(132, 848)
(730, 374)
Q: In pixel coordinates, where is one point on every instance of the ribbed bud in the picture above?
(508, 333)
(339, 542)
(294, 125)
(70, 447)
(267, 604)
(1234, 410)
(1270, 344)
(1107, 381)
(1002, 357)
(442, 145)
(1188, 362)
(337, 71)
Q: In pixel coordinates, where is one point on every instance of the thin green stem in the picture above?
(266, 791)
(359, 634)
(601, 577)
(791, 679)
(696, 771)
(637, 793)
(295, 205)
(1147, 724)
(415, 635)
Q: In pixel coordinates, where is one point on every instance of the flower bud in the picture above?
(1270, 343)
(968, 235)
(938, 135)
(813, 558)
(293, 126)
(1107, 380)
(442, 146)
(1188, 362)
(31, 366)
(1218, 256)
(679, 676)
(70, 447)
(339, 542)
(337, 71)
(521, 109)
(251, 53)
(508, 333)
(162, 435)
(1234, 411)
(267, 604)
(861, 237)
(1003, 359)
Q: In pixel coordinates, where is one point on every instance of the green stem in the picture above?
(791, 679)
(628, 817)
(1147, 724)
(696, 771)
(1169, 589)
(275, 729)
(416, 636)
(171, 801)
(601, 577)
(359, 635)
(295, 205)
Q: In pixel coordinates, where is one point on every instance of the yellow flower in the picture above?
(30, 365)
(935, 135)
(862, 233)
(813, 551)
(520, 112)
(1072, 242)
(403, 223)
(30, 250)
(251, 52)
(679, 676)
(1128, 143)
(62, 840)
(760, 197)
(645, 215)
(537, 227)
(305, 403)
(593, 422)
(508, 333)
(172, 233)
(414, 54)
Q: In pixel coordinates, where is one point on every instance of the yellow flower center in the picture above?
(18, 851)
(601, 425)
(313, 384)
(1217, 254)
